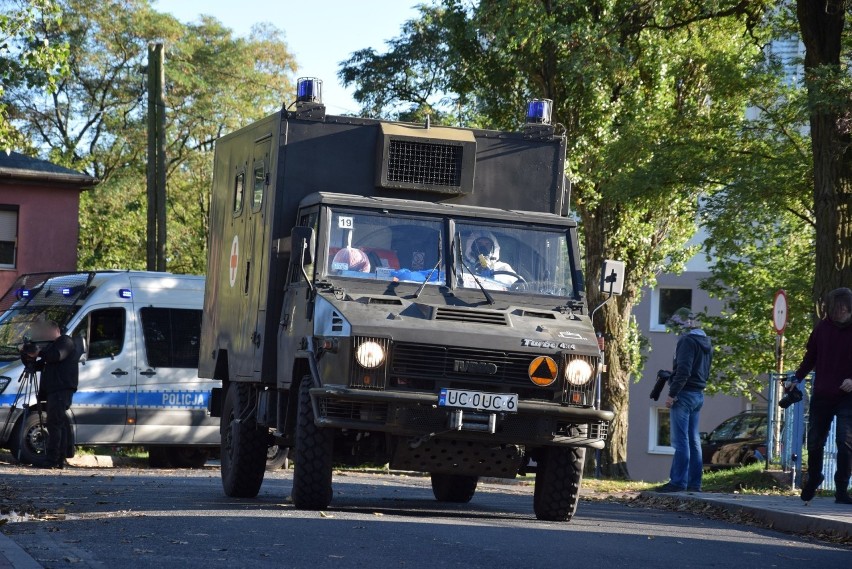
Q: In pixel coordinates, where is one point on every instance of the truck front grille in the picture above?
(448, 314)
(462, 364)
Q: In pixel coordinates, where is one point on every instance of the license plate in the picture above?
(462, 399)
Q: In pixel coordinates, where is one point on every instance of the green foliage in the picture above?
(651, 98)
(96, 119)
(27, 56)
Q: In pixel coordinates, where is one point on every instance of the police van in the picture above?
(139, 333)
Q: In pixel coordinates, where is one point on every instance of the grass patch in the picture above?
(752, 479)
(129, 452)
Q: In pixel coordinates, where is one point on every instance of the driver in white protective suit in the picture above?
(483, 257)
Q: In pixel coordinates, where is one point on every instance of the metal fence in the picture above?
(788, 449)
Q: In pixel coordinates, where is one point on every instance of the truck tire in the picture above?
(557, 483)
(243, 460)
(277, 457)
(28, 438)
(314, 457)
(187, 457)
(453, 488)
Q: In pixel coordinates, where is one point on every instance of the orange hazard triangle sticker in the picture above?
(543, 371)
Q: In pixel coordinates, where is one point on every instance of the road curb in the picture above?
(12, 556)
(822, 518)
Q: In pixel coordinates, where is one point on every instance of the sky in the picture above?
(320, 34)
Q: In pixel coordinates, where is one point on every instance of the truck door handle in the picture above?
(119, 371)
(148, 372)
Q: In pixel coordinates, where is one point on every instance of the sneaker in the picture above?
(668, 488)
(810, 487)
(843, 498)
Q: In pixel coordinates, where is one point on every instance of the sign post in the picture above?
(779, 322)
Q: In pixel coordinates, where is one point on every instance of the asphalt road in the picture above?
(125, 518)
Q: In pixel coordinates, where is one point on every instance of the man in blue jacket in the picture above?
(686, 397)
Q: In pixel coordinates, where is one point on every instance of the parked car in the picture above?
(737, 441)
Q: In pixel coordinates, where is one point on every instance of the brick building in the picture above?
(39, 216)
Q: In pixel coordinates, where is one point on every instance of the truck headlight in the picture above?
(4, 382)
(369, 355)
(578, 372)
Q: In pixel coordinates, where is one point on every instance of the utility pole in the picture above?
(156, 168)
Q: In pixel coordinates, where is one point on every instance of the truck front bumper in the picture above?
(416, 414)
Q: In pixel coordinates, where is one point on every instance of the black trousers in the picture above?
(822, 412)
(58, 403)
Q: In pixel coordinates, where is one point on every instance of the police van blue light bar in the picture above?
(539, 111)
(125, 293)
(309, 90)
(22, 293)
(66, 291)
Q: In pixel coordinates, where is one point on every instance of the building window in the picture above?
(664, 303)
(659, 432)
(8, 236)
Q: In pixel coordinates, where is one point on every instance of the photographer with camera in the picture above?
(687, 381)
(58, 362)
(829, 353)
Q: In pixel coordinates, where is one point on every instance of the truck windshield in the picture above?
(385, 246)
(513, 259)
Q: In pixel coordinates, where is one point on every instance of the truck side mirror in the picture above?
(303, 241)
(612, 277)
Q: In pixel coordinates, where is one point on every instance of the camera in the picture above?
(27, 349)
(662, 377)
(793, 395)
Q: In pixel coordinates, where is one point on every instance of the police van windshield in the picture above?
(387, 247)
(512, 259)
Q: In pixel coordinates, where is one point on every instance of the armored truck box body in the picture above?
(403, 294)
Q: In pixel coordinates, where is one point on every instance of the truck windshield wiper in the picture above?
(484, 290)
(428, 278)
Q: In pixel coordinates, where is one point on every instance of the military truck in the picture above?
(382, 292)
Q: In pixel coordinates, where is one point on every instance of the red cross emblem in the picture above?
(235, 259)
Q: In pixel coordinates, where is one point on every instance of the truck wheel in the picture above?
(243, 447)
(557, 483)
(187, 457)
(453, 488)
(314, 457)
(277, 457)
(28, 439)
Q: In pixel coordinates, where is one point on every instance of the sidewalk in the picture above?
(13, 557)
(822, 517)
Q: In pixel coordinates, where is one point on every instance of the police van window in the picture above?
(513, 259)
(171, 336)
(105, 329)
(387, 246)
(258, 185)
(239, 189)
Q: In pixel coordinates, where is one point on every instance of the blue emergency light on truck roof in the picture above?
(539, 111)
(309, 90)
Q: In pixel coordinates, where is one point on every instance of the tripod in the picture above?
(27, 391)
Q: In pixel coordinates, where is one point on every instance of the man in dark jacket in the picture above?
(58, 361)
(686, 397)
(829, 353)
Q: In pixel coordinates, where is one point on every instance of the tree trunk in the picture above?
(821, 24)
(612, 321)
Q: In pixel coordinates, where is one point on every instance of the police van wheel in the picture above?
(314, 457)
(454, 488)
(28, 439)
(243, 454)
(557, 483)
(187, 457)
